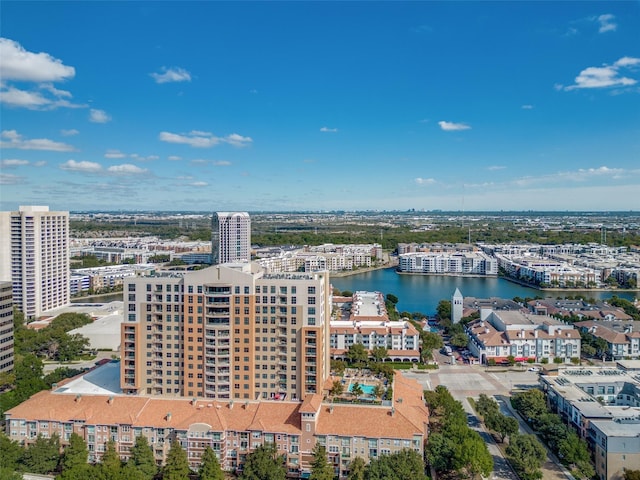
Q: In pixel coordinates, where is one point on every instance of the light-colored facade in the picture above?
(226, 332)
(35, 258)
(233, 429)
(603, 406)
(230, 237)
(6, 327)
(499, 335)
(621, 343)
(467, 263)
(363, 319)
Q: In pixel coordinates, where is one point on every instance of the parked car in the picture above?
(533, 369)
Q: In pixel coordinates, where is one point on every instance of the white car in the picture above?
(533, 369)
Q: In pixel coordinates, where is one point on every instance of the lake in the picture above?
(421, 293)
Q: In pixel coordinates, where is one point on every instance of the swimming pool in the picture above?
(366, 389)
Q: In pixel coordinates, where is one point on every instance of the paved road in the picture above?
(464, 381)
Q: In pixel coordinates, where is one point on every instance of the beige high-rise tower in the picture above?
(34, 256)
(226, 332)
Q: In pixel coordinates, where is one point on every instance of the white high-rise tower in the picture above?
(34, 256)
(230, 237)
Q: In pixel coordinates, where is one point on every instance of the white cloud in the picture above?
(496, 167)
(69, 133)
(199, 184)
(424, 181)
(237, 140)
(114, 154)
(126, 169)
(527, 107)
(329, 130)
(13, 162)
(222, 163)
(94, 168)
(19, 64)
(98, 116)
(606, 23)
(10, 179)
(453, 127)
(199, 139)
(40, 163)
(579, 175)
(605, 76)
(82, 166)
(174, 158)
(141, 158)
(15, 140)
(173, 74)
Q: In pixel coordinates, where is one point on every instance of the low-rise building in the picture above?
(498, 335)
(232, 429)
(603, 406)
(363, 319)
(452, 263)
(622, 341)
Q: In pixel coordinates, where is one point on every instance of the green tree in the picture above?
(531, 404)
(631, 474)
(356, 390)
(357, 469)
(76, 453)
(503, 425)
(474, 455)
(177, 466)
(357, 353)
(459, 340)
(574, 451)
(264, 463)
(486, 405)
(378, 391)
(443, 310)
(10, 453)
(430, 340)
(321, 469)
(210, 467)
(526, 454)
(142, 458)
(43, 455)
(110, 464)
(79, 472)
(401, 465)
(379, 353)
(336, 388)
(8, 474)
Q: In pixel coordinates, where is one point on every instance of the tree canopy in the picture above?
(264, 463)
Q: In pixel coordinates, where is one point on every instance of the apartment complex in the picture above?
(233, 429)
(230, 237)
(6, 327)
(622, 341)
(363, 319)
(498, 335)
(226, 332)
(603, 406)
(34, 256)
(454, 263)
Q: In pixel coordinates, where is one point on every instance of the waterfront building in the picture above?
(603, 406)
(578, 308)
(229, 331)
(454, 263)
(497, 335)
(6, 327)
(110, 276)
(363, 319)
(230, 237)
(233, 429)
(34, 256)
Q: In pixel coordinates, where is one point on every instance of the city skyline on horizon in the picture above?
(273, 107)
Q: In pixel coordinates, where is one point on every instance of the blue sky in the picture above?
(320, 106)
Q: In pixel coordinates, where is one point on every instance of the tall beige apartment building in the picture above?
(34, 256)
(230, 237)
(6, 327)
(226, 332)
